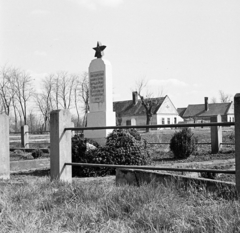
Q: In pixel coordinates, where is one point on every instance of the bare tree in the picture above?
(66, 85)
(76, 97)
(44, 100)
(23, 90)
(213, 100)
(16, 111)
(224, 98)
(56, 87)
(146, 101)
(6, 90)
(84, 95)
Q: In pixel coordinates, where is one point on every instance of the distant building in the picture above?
(132, 112)
(203, 112)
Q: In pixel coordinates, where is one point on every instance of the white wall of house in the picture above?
(140, 120)
(230, 117)
(230, 113)
(167, 113)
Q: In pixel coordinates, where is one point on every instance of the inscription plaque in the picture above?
(97, 87)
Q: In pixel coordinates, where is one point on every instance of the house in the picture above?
(132, 112)
(203, 112)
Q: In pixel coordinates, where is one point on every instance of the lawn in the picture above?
(34, 204)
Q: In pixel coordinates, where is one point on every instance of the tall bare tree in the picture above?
(6, 90)
(146, 101)
(44, 99)
(23, 90)
(66, 86)
(84, 95)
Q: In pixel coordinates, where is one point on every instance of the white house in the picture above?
(132, 112)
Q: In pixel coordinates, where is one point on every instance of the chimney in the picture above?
(135, 97)
(206, 103)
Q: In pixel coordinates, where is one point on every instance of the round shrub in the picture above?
(183, 143)
(37, 153)
(121, 148)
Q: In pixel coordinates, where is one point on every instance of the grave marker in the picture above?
(4, 147)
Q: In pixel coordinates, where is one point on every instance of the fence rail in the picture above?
(152, 126)
(151, 168)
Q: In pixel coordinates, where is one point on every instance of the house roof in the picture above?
(181, 111)
(127, 108)
(199, 110)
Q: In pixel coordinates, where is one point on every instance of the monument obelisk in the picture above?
(101, 102)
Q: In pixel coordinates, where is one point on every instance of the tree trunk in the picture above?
(148, 122)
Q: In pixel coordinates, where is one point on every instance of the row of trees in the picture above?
(21, 99)
(60, 90)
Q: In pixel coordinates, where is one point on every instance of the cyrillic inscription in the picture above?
(97, 87)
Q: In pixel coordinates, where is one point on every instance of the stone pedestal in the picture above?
(101, 102)
(24, 136)
(61, 145)
(237, 139)
(216, 134)
(4, 147)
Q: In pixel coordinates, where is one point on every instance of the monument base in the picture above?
(98, 119)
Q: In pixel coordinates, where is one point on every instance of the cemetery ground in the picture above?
(160, 153)
(30, 202)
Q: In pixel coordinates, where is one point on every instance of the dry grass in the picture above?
(96, 205)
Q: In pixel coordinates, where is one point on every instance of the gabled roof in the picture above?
(213, 110)
(127, 108)
(181, 111)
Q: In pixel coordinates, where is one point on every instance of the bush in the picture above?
(121, 148)
(183, 144)
(232, 137)
(37, 153)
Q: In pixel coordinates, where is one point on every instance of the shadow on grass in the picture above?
(38, 173)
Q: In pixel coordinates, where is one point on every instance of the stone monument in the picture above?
(101, 102)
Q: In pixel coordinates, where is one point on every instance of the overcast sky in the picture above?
(188, 49)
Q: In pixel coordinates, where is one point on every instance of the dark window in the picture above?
(128, 122)
(175, 120)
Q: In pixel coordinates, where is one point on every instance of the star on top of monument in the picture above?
(99, 50)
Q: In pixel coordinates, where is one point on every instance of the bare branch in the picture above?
(224, 98)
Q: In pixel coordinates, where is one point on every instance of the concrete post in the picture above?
(237, 138)
(60, 144)
(216, 135)
(4, 147)
(24, 136)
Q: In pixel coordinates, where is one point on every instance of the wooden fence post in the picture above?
(216, 134)
(24, 136)
(60, 144)
(4, 147)
(237, 139)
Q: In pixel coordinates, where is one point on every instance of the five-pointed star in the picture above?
(99, 50)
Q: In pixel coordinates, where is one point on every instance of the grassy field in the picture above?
(34, 204)
(30, 202)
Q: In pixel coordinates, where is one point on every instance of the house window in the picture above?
(175, 120)
(128, 122)
(168, 121)
(229, 119)
(163, 121)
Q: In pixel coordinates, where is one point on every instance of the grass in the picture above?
(34, 204)
(162, 153)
